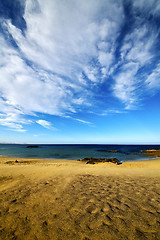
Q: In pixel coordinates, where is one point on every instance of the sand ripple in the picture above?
(80, 207)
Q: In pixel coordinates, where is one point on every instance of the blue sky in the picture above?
(80, 71)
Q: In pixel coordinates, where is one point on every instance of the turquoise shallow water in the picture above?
(77, 151)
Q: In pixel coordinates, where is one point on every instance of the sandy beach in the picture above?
(67, 199)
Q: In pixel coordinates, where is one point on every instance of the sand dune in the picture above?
(61, 199)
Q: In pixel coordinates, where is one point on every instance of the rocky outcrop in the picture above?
(100, 160)
(152, 152)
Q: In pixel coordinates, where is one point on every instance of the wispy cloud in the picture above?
(13, 121)
(83, 121)
(69, 53)
(136, 52)
(45, 124)
(149, 7)
(111, 112)
(153, 79)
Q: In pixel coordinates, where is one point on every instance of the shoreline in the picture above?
(152, 157)
(58, 199)
(5, 158)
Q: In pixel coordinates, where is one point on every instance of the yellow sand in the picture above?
(66, 199)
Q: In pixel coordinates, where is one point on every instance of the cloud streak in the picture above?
(45, 124)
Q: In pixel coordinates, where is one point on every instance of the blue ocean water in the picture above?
(77, 151)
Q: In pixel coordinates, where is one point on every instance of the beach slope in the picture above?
(66, 199)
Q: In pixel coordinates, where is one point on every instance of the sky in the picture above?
(80, 71)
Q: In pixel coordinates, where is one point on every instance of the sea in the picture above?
(77, 151)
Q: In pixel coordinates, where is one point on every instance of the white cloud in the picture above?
(12, 126)
(12, 117)
(32, 90)
(140, 45)
(136, 51)
(92, 73)
(125, 85)
(106, 60)
(64, 41)
(45, 124)
(153, 80)
(59, 43)
(13, 121)
(148, 6)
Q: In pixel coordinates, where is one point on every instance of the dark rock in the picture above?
(32, 146)
(16, 161)
(101, 160)
(152, 152)
(90, 162)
